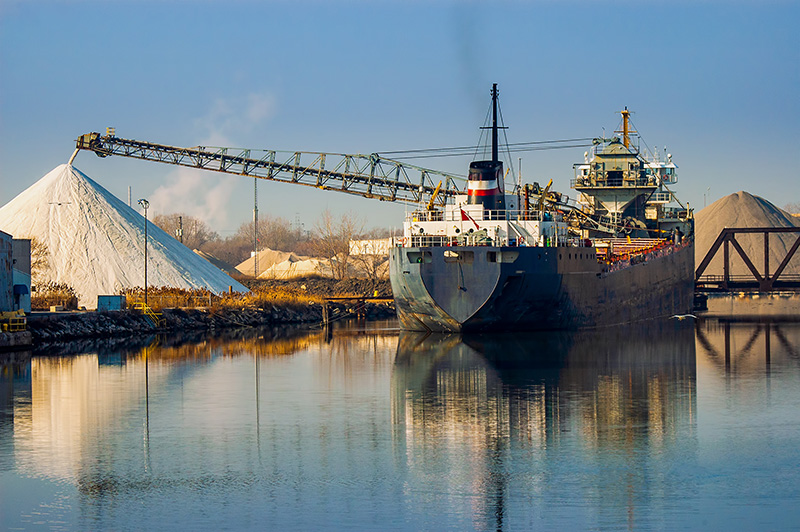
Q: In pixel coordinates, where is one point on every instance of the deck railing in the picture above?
(486, 215)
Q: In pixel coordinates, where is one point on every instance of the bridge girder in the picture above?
(759, 282)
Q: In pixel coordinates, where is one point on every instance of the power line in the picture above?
(464, 153)
(517, 146)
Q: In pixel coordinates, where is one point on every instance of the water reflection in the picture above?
(743, 346)
(70, 415)
(490, 416)
(125, 424)
(637, 428)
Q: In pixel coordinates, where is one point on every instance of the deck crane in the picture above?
(370, 176)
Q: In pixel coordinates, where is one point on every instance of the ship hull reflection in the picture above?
(468, 407)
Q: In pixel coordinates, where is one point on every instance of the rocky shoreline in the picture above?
(50, 328)
(59, 326)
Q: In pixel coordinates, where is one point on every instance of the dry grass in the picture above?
(262, 297)
(267, 296)
(52, 294)
(168, 297)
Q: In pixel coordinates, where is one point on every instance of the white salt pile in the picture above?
(274, 264)
(96, 241)
(296, 267)
(266, 259)
(745, 210)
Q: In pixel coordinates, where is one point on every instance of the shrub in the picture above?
(51, 294)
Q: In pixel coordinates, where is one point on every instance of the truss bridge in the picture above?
(757, 280)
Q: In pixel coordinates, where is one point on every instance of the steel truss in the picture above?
(758, 282)
(370, 176)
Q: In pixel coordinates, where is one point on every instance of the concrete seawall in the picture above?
(15, 340)
(783, 305)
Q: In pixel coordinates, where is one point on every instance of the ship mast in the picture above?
(495, 155)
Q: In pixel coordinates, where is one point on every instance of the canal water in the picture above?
(675, 425)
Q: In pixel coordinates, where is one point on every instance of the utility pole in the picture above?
(145, 204)
(255, 228)
(179, 232)
(518, 186)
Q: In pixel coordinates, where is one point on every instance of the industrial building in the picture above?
(21, 273)
(6, 279)
(15, 274)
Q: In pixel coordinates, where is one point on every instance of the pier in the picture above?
(353, 306)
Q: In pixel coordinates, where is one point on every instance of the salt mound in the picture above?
(294, 268)
(96, 241)
(744, 210)
(266, 259)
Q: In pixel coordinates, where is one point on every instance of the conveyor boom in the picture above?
(370, 176)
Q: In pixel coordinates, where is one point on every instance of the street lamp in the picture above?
(145, 204)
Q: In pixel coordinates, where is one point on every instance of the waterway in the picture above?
(675, 425)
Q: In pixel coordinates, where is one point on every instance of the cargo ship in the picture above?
(531, 259)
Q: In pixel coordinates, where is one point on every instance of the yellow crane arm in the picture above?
(544, 195)
(433, 196)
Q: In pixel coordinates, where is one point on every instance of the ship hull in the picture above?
(486, 288)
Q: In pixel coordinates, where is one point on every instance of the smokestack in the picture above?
(483, 187)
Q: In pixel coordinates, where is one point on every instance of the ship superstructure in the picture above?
(627, 191)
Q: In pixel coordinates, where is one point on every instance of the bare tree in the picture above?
(371, 260)
(228, 250)
(370, 265)
(333, 240)
(40, 261)
(195, 231)
(792, 208)
(380, 232)
(273, 233)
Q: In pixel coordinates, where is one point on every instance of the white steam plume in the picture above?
(204, 194)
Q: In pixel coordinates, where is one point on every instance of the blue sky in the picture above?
(717, 83)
